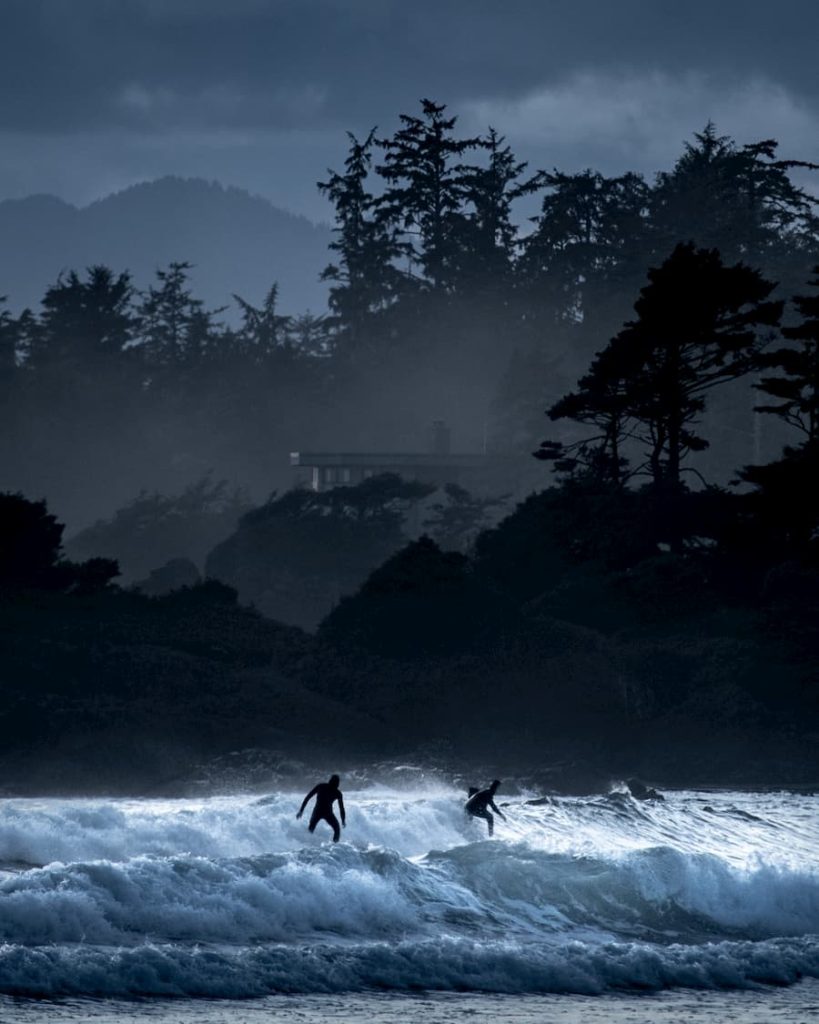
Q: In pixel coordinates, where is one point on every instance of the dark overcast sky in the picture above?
(98, 94)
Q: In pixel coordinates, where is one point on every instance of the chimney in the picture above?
(440, 438)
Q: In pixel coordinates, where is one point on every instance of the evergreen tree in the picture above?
(601, 400)
(588, 241)
(31, 555)
(83, 321)
(426, 190)
(30, 542)
(311, 335)
(9, 347)
(490, 235)
(364, 280)
(175, 328)
(796, 387)
(458, 517)
(738, 199)
(26, 329)
(9, 373)
(699, 324)
(785, 503)
(264, 330)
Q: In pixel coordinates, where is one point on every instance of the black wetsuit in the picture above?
(326, 795)
(478, 807)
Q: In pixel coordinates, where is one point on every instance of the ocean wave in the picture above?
(232, 896)
(483, 888)
(737, 828)
(444, 965)
(38, 832)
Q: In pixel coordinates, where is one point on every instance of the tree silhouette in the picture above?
(458, 517)
(364, 279)
(796, 387)
(699, 324)
(426, 188)
(30, 541)
(602, 400)
(175, 328)
(9, 345)
(490, 236)
(25, 330)
(591, 235)
(303, 549)
(422, 601)
(83, 321)
(312, 335)
(264, 330)
(784, 505)
(739, 199)
(784, 502)
(31, 552)
(153, 528)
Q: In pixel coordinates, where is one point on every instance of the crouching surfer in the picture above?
(479, 802)
(326, 794)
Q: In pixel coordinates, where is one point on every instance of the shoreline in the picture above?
(769, 1005)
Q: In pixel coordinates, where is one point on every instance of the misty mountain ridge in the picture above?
(236, 241)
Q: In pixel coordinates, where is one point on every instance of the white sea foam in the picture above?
(232, 897)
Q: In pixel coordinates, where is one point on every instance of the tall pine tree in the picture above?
(699, 325)
(176, 331)
(84, 321)
(795, 389)
(426, 187)
(364, 279)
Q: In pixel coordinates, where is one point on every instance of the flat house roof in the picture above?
(373, 460)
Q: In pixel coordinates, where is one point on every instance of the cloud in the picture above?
(65, 61)
(260, 92)
(220, 106)
(611, 122)
(639, 122)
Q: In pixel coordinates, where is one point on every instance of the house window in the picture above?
(346, 476)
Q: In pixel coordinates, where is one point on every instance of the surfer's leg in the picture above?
(315, 818)
(332, 821)
(484, 815)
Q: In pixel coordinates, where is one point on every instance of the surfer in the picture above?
(479, 802)
(326, 794)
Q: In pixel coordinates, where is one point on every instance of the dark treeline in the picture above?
(441, 306)
(109, 390)
(652, 608)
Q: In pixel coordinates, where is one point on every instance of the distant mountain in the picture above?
(237, 242)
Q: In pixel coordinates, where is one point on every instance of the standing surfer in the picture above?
(326, 794)
(479, 803)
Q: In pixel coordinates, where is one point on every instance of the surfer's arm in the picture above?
(497, 809)
(306, 800)
(341, 810)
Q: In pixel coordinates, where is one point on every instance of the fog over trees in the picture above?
(441, 305)
(653, 343)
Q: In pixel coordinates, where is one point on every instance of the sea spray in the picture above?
(232, 897)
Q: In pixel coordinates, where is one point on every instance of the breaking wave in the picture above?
(231, 897)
